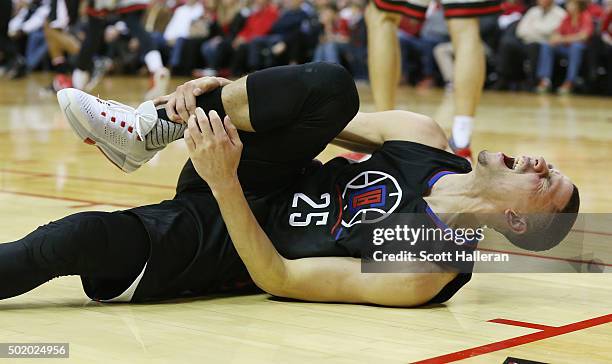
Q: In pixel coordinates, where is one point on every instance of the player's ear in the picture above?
(515, 222)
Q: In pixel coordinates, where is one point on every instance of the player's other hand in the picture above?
(214, 148)
(181, 104)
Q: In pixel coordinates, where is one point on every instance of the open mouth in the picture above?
(510, 162)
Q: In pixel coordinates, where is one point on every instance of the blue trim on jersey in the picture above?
(437, 176)
(338, 234)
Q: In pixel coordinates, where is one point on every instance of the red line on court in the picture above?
(517, 341)
(90, 202)
(91, 179)
(521, 324)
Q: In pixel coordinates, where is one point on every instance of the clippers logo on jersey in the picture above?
(374, 196)
(370, 197)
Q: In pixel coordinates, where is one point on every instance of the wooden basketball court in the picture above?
(47, 173)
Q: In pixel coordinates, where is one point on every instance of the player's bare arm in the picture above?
(368, 131)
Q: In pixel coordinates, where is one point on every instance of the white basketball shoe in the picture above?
(116, 129)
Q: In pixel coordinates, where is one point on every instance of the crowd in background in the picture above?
(540, 46)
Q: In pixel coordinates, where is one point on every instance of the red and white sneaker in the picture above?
(61, 81)
(465, 152)
(116, 129)
(159, 84)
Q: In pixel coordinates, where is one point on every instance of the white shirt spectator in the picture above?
(28, 24)
(537, 26)
(181, 20)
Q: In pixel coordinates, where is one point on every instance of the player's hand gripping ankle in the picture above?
(214, 148)
(181, 104)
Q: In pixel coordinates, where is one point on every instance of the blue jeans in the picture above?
(36, 49)
(423, 46)
(546, 61)
(327, 52)
(256, 45)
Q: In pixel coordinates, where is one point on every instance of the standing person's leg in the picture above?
(544, 72)
(36, 49)
(384, 58)
(94, 34)
(7, 47)
(574, 54)
(532, 51)
(463, 19)
(152, 58)
(468, 80)
(509, 60)
(94, 245)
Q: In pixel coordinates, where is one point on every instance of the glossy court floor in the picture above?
(47, 173)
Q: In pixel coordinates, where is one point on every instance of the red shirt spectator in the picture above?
(584, 24)
(259, 23)
(606, 25)
(510, 7)
(595, 10)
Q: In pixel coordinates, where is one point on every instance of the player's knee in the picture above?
(330, 80)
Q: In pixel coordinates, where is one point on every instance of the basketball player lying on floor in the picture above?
(251, 206)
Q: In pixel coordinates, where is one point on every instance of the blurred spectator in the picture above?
(62, 37)
(263, 16)
(606, 37)
(568, 41)
(433, 33)
(27, 25)
(284, 31)
(217, 51)
(178, 29)
(522, 43)
(334, 37)
(11, 59)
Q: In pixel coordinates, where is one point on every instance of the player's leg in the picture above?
(384, 58)
(317, 98)
(97, 245)
(295, 112)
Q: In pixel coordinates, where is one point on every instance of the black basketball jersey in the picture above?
(322, 213)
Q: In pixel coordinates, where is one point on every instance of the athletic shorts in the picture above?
(452, 8)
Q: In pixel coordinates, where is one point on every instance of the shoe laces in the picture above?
(114, 107)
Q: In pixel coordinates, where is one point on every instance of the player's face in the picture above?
(528, 184)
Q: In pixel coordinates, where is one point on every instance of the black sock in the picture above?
(212, 101)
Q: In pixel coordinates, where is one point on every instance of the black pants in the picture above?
(7, 47)
(513, 54)
(111, 246)
(295, 110)
(94, 36)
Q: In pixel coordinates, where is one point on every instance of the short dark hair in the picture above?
(545, 231)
